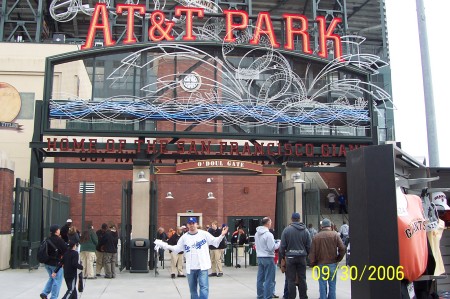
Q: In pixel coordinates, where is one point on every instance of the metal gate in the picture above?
(125, 228)
(35, 210)
(311, 199)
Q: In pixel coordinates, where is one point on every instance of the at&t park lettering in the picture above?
(160, 28)
(203, 147)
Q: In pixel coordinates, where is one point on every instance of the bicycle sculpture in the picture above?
(66, 10)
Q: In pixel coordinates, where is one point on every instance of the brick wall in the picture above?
(105, 205)
(190, 193)
(335, 180)
(6, 200)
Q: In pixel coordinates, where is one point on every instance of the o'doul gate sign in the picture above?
(219, 164)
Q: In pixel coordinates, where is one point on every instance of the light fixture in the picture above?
(169, 195)
(211, 195)
(209, 180)
(141, 177)
(297, 177)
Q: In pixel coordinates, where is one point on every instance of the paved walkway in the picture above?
(236, 283)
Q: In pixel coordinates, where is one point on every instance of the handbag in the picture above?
(80, 282)
(283, 265)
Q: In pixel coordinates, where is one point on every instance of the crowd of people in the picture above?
(71, 250)
(300, 246)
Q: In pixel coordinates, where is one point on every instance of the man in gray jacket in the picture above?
(265, 252)
(295, 245)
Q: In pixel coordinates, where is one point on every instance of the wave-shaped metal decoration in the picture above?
(247, 92)
(234, 114)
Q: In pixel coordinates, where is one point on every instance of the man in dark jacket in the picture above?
(99, 252)
(324, 253)
(65, 230)
(53, 284)
(216, 252)
(295, 245)
(109, 241)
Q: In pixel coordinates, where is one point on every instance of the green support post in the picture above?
(229, 255)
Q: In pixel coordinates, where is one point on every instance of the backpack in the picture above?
(42, 254)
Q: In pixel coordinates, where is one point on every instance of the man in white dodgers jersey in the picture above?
(195, 244)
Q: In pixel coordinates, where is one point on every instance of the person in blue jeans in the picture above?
(195, 245)
(327, 250)
(265, 252)
(198, 278)
(327, 287)
(55, 253)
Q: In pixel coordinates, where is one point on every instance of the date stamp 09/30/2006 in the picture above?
(372, 273)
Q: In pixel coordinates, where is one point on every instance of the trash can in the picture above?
(228, 255)
(139, 255)
(252, 254)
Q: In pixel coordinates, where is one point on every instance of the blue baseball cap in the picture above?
(192, 220)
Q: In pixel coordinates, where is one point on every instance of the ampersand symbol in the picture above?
(158, 19)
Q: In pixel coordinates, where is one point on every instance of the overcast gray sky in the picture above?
(407, 88)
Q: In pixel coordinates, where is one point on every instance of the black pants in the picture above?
(296, 267)
(71, 283)
(343, 209)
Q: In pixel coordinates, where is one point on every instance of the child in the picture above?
(70, 263)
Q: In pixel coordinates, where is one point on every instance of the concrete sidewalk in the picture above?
(236, 283)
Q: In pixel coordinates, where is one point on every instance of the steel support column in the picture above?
(2, 20)
(430, 116)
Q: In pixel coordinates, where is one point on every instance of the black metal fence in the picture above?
(35, 210)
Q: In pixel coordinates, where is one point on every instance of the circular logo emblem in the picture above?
(191, 82)
(10, 102)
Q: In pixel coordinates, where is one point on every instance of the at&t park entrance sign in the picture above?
(212, 84)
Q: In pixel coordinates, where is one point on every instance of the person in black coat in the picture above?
(109, 243)
(176, 258)
(238, 239)
(53, 284)
(73, 235)
(65, 230)
(216, 252)
(99, 251)
(70, 264)
(161, 235)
